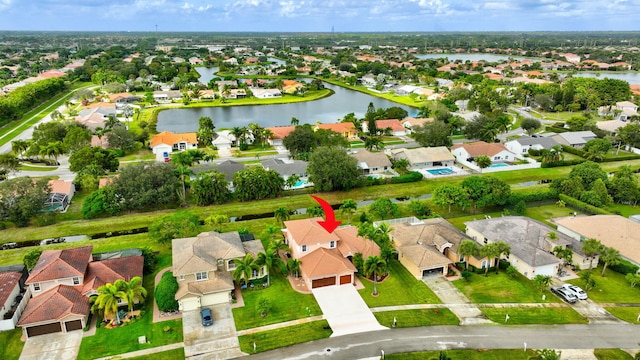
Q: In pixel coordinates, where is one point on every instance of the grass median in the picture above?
(534, 315)
(273, 339)
(417, 317)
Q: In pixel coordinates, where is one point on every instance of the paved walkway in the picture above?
(144, 352)
(467, 312)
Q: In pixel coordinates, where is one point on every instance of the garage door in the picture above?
(345, 279)
(437, 271)
(323, 282)
(43, 329)
(73, 325)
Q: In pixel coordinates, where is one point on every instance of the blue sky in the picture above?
(320, 15)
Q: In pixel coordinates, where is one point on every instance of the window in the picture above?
(486, 240)
(332, 244)
(181, 278)
(231, 265)
(254, 273)
(119, 301)
(76, 280)
(36, 286)
(202, 276)
(304, 248)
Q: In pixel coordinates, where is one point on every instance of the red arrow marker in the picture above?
(330, 222)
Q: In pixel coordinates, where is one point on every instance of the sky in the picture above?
(320, 15)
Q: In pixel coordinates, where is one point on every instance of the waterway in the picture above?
(632, 77)
(327, 110)
(472, 57)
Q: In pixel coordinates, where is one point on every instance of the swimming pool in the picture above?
(442, 171)
(300, 183)
(498, 165)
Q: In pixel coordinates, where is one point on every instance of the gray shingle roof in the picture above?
(545, 142)
(286, 167)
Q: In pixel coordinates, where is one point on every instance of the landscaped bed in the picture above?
(536, 315)
(500, 288)
(417, 317)
(273, 339)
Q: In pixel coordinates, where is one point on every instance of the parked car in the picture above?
(207, 318)
(564, 294)
(576, 290)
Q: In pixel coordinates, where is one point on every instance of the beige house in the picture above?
(372, 162)
(204, 265)
(425, 157)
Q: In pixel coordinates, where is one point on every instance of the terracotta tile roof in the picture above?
(8, 282)
(169, 138)
(417, 122)
(115, 97)
(280, 132)
(350, 243)
(201, 253)
(325, 262)
(60, 264)
(108, 271)
(101, 105)
(339, 127)
(55, 304)
(308, 231)
(61, 186)
(481, 148)
(394, 124)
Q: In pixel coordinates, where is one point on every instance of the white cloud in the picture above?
(205, 7)
(187, 6)
(5, 4)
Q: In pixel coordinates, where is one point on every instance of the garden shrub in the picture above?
(582, 206)
(562, 163)
(411, 176)
(624, 267)
(166, 292)
(574, 151)
(534, 152)
(531, 196)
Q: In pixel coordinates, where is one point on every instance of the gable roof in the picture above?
(201, 253)
(60, 264)
(286, 166)
(222, 281)
(422, 154)
(55, 304)
(308, 231)
(169, 138)
(367, 159)
(229, 167)
(280, 132)
(393, 124)
(324, 262)
(481, 148)
(413, 122)
(575, 137)
(350, 243)
(61, 186)
(339, 127)
(108, 271)
(8, 282)
(544, 141)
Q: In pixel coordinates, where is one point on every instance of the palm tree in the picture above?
(490, 251)
(52, 150)
(387, 253)
(281, 214)
(244, 268)
(271, 260)
(374, 266)
(591, 247)
(107, 300)
(20, 146)
(349, 207)
(238, 133)
(266, 135)
(294, 266)
(111, 122)
(315, 211)
(609, 256)
(542, 281)
(55, 115)
(183, 171)
(270, 232)
(372, 143)
(133, 290)
(503, 249)
(468, 248)
(294, 121)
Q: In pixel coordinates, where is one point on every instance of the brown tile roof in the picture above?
(104, 182)
(413, 122)
(8, 282)
(481, 148)
(324, 262)
(169, 138)
(308, 231)
(55, 304)
(394, 124)
(201, 253)
(108, 271)
(350, 243)
(280, 132)
(60, 264)
(61, 186)
(99, 104)
(339, 127)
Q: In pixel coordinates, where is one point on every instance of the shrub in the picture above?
(624, 267)
(531, 195)
(166, 292)
(466, 275)
(411, 176)
(562, 163)
(512, 271)
(150, 260)
(584, 207)
(520, 208)
(534, 152)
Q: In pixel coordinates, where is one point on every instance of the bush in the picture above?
(624, 267)
(150, 260)
(166, 292)
(582, 206)
(531, 195)
(520, 208)
(562, 163)
(411, 176)
(534, 152)
(574, 151)
(466, 275)
(555, 129)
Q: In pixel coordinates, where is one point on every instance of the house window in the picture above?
(119, 301)
(332, 244)
(496, 158)
(484, 264)
(486, 240)
(231, 265)
(304, 248)
(202, 276)
(181, 277)
(76, 280)
(254, 273)
(36, 286)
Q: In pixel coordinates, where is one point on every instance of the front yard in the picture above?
(536, 315)
(273, 339)
(417, 317)
(11, 344)
(501, 288)
(612, 288)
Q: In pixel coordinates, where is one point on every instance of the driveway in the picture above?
(468, 313)
(58, 346)
(218, 341)
(345, 310)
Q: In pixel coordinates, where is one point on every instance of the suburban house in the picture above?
(411, 123)
(224, 140)
(13, 298)
(576, 139)
(346, 129)
(60, 196)
(62, 282)
(394, 126)
(465, 153)
(204, 265)
(166, 142)
(523, 144)
(95, 115)
(228, 168)
(531, 243)
(286, 167)
(425, 157)
(613, 231)
(372, 162)
(167, 96)
(428, 246)
(623, 110)
(279, 133)
(266, 93)
(326, 257)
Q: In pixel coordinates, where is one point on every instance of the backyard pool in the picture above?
(498, 165)
(442, 171)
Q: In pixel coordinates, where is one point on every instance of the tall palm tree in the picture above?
(294, 266)
(349, 207)
(315, 211)
(238, 133)
(490, 251)
(295, 121)
(281, 214)
(374, 266)
(107, 300)
(468, 248)
(266, 135)
(271, 260)
(53, 150)
(20, 146)
(133, 290)
(609, 256)
(183, 171)
(244, 268)
(591, 247)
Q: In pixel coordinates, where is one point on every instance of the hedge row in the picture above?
(624, 267)
(562, 163)
(582, 206)
(411, 176)
(555, 129)
(574, 151)
(531, 195)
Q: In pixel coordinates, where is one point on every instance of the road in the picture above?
(369, 344)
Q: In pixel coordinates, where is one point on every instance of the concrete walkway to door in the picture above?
(467, 312)
(345, 310)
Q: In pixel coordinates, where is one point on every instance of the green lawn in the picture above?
(11, 344)
(286, 305)
(36, 168)
(417, 317)
(273, 339)
(613, 288)
(520, 316)
(138, 155)
(501, 288)
(399, 288)
(165, 355)
(628, 314)
(498, 354)
(612, 354)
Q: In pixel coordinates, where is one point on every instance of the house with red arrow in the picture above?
(326, 257)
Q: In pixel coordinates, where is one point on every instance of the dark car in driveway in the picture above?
(205, 315)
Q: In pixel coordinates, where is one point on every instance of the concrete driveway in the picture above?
(58, 346)
(345, 310)
(218, 341)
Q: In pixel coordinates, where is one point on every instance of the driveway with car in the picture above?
(218, 341)
(57, 346)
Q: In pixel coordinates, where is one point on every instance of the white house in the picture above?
(522, 145)
(163, 144)
(266, 93)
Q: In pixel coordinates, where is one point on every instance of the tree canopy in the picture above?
(256, 183)
(331, 168)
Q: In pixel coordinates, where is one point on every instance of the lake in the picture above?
(207, 73)
(326, 110)
(632, 77)
(471, 57)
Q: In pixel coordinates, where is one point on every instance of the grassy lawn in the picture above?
(628, 314)
(498, 354)
(417, 317)
(613, 288)
(124, 339)
(399, 288)
(165, 355)
(12, 345)
(36, 168)
(501, 288)
(612, 354)
(273, 339)
(138, 155)
(286, 305)
(257, 153)
(520, 316)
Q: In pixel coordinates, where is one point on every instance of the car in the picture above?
(205, 315)
(576, 290)
(564, 294)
